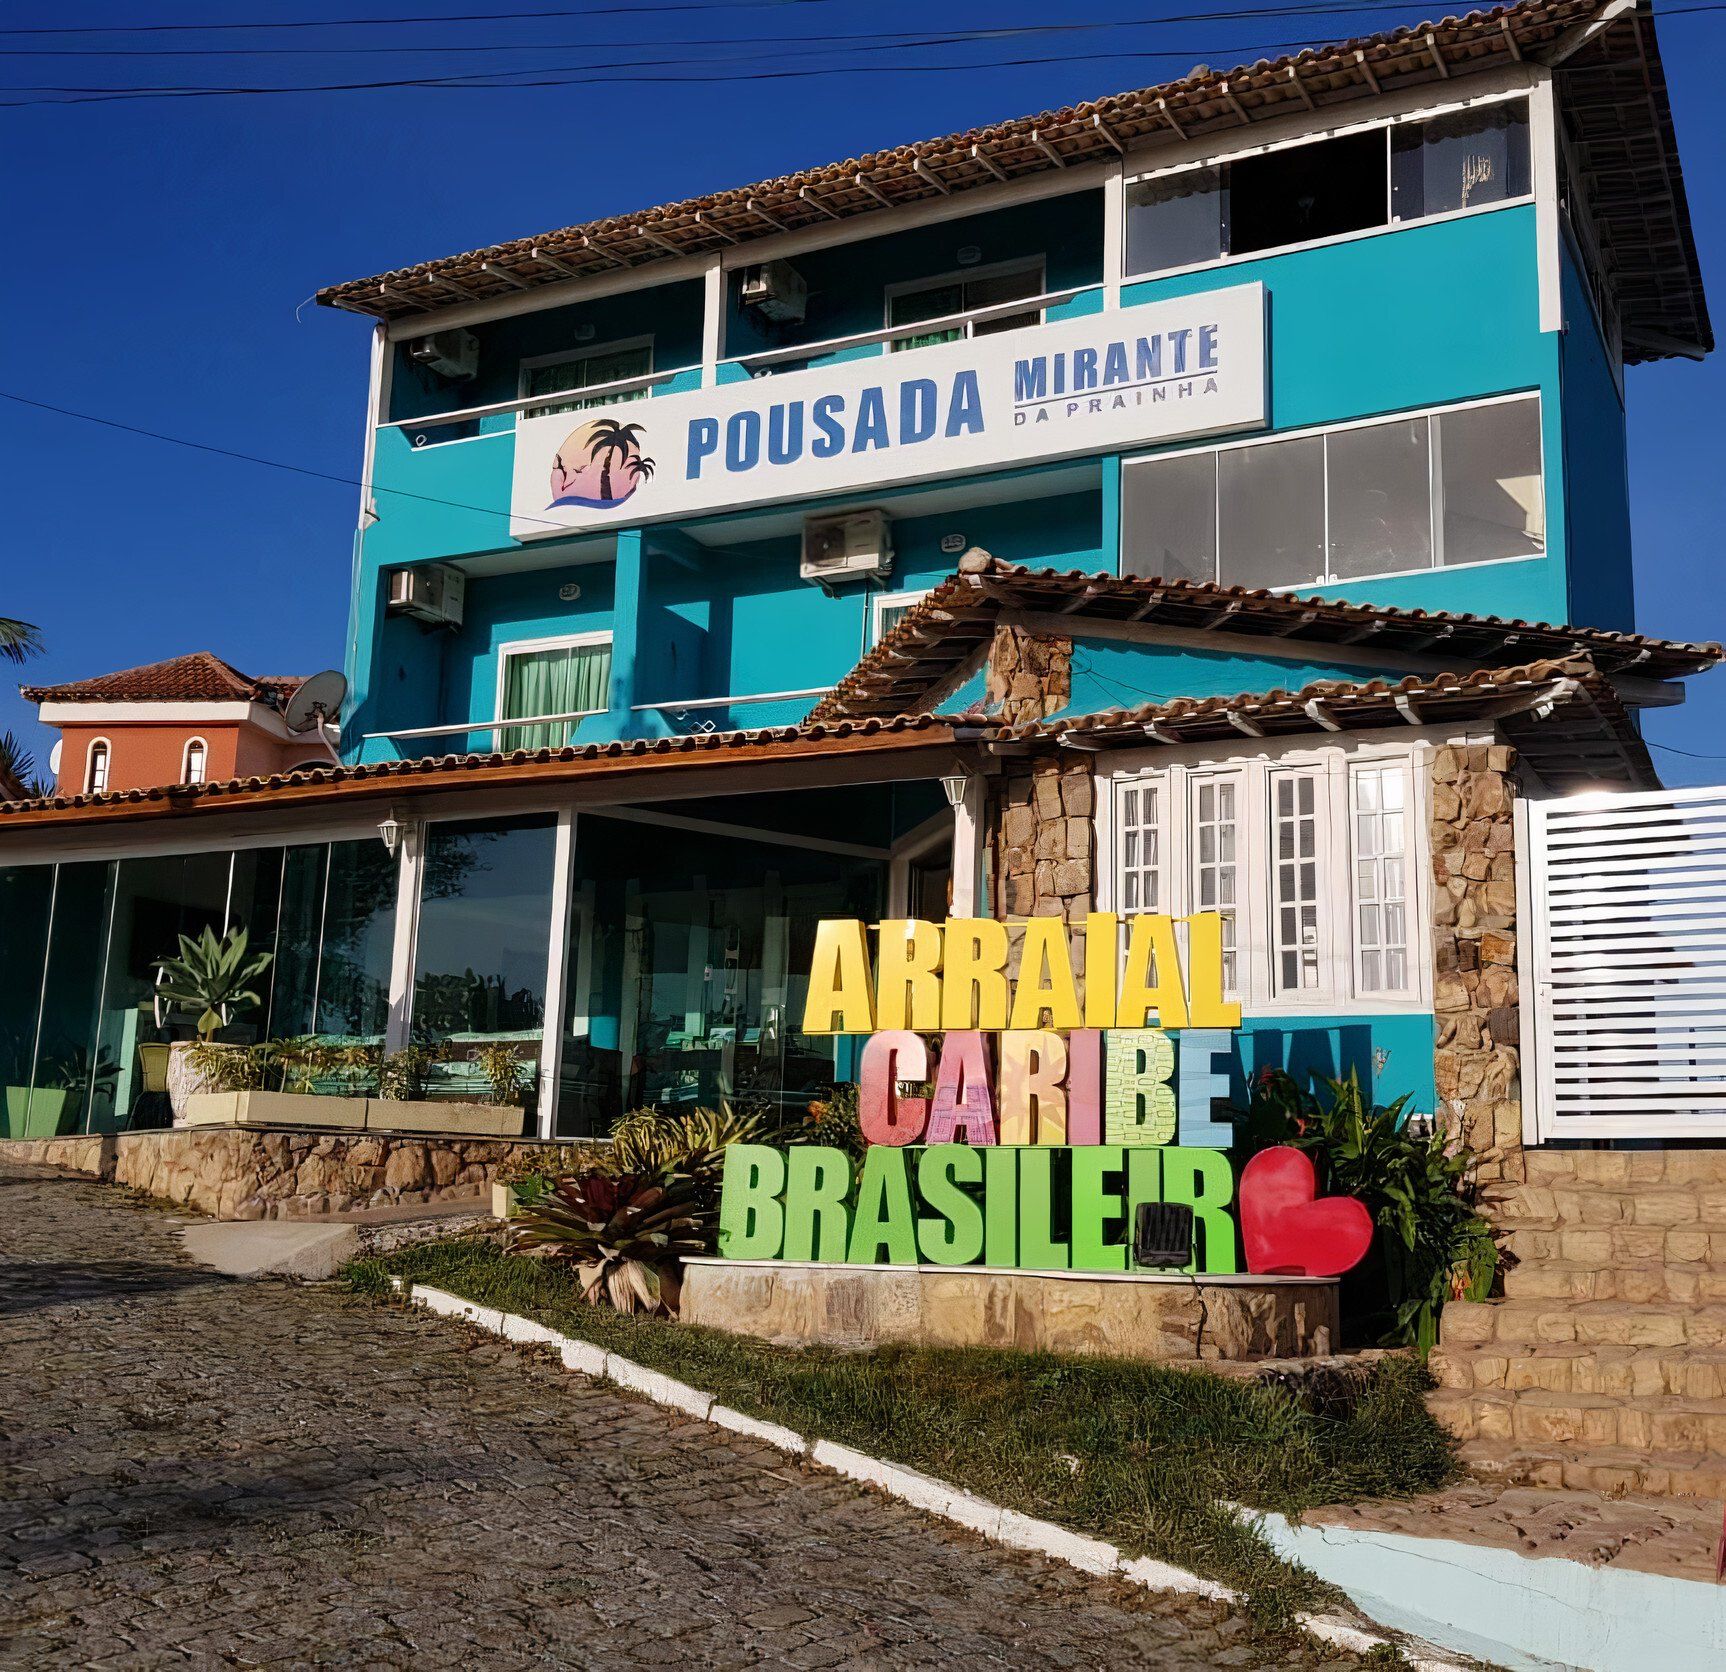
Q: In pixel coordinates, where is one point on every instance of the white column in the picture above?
(712, 321)
(410, 857)
(1543, 147)
(556, 970)
(969, 828)
(1114, 235)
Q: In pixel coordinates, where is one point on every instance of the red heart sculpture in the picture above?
(1287, 1229)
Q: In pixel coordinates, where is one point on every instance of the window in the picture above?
(1328, 188)
(1310, 856)
(192, 766)
(1461, 161)
(1391, 497)
(888, 609)
(961, 294)
(96, 768)
(553, 682)
(1216, 861)
(1380, 794)
(553, 374)
(1294, 848)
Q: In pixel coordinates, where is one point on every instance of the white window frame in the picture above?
(529, 647)
(1435, 479)
(203, 748)
(1343, 130)
(583, 351)
(1037, 264)
(91, 787)
(1177, 769)
(881, 602)
(1357, 770)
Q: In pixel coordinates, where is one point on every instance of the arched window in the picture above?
(96, 767)
(195, 761)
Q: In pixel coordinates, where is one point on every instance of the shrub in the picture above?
(209, 977)
(1432, 1244)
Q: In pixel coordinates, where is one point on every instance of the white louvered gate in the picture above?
(1623, 911)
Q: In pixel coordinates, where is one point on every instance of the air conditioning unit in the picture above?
(853, 547)
(776, 290)
(452, 355)
(433, 594)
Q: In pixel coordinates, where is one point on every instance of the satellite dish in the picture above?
(54, 757)
(316, 702)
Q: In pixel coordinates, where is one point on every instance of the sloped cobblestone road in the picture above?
(205, 1472)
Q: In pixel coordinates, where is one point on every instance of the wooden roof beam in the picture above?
(979, 155)
(925, 173)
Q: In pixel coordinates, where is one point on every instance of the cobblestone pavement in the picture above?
(207, 1472)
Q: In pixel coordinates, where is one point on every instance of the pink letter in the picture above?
(884, 1116)
(964, 1113)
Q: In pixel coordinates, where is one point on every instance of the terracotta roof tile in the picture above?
(1613, 93)
(199, 676)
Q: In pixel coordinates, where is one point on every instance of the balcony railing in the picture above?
(421, 739)
(696, 715)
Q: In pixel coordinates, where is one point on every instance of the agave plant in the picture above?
(210, 976)
(627, 1235)
(654, 1140)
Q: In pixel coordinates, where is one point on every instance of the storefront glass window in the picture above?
(26, 894)
(74, 1079)
(481, 947)
(687, 970)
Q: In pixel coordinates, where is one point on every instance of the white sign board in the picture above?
(1166, 371)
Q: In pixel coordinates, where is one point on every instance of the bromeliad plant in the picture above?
(211, 977)
(1432, 1244)
(627, 1236)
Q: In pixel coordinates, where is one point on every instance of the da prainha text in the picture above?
(1137, 371)
(1044, 1120)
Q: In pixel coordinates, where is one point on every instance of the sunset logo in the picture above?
(599, 465)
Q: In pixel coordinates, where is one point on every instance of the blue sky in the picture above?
(162, 253)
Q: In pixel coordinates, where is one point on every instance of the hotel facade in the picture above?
(1210, 498)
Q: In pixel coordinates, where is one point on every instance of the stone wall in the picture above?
(1028, 676)
(92, 1156)
(1477, 1066)
(1053, 1312)
(234, 1174)
(1042, 847)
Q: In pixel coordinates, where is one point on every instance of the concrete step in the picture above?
(1586, 1421)
(1615, 1471)
(1641, 1281)
(1622, 1372)
(1627, 1167)
(1661, 1206)
(1594, 1323)
(1606, 1245)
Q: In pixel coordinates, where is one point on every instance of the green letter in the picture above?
(817, 1220)
(956, 1237)
(1038, 1251)
(883, 1218)
(751, 1221)
(1094, 1207)
(1000, 1207)
(1204, 1179)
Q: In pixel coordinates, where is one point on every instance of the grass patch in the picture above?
(1139, 1454)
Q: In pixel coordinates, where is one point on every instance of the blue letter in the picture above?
(1150, 358)
(871, 428)
(966, 410)
(785, 433)
(1178, 341)
(743, 441)
(1198, 1085)
(1207, 348)
(1115, 364)
(916, 410)
(832, 438)
(1030, 380)
(703, 439)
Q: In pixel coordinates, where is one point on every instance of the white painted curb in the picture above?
(925, 1492)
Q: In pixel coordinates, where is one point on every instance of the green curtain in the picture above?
(572, 679)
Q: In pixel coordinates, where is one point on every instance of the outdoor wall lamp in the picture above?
(390, 833)
(955, 785)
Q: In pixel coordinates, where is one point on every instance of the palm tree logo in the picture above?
(600, 464)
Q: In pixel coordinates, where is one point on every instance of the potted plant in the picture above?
(209, 979)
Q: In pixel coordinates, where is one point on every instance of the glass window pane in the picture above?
(1271, 501)
(1459, 161)
(67, 1078)
(358, 909)
(1004, 287)
(1307, 192)
(1176, 221)
(1294, 832)
(1381, 935)
(1490, 483)
(1380, 499)
(1169, 517)
(583, 371)
(565, 679)
(481, 948)
(25, 894)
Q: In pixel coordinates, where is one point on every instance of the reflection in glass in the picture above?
(1493, 504)
(1460, 161)
(1177, 220)
(72, 1075)
(351, 996)
(26, 893)
(1169, 517)
(687, 970)
(1380, 499)
(1271, 513)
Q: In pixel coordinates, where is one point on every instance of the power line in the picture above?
(259, 459)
